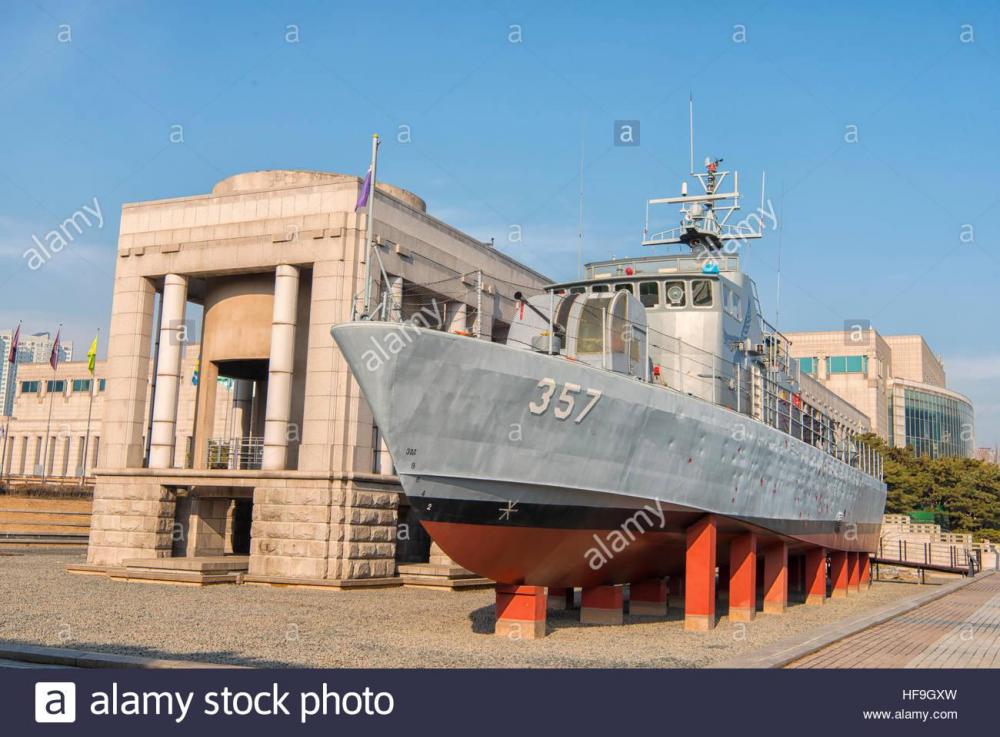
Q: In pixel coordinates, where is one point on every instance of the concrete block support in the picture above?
(815, 564)
(130, 520)
(648, 598)
(865, 564)
(838, 574)
(602, 605)
(168, 371)
(743, 578)
(853, 572)
(699, 575)
(280, 368)
(776, 578)
(520, 612)
(560, 599)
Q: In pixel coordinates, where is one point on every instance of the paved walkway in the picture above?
(959, 630)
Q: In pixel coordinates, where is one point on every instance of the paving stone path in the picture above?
(960, 630)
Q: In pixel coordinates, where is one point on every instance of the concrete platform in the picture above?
(194, 571)
(440, 576)
(330, 584)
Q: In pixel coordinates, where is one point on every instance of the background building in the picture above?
(36, 348)
(897, 381)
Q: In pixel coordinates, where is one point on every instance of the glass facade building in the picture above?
(934, 423)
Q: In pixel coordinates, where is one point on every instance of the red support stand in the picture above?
(866, 570)
(776, 578)
(699, 575)
(648, 598)
(602, 605)
(743, 578)
(520, 612)
(815, 561)
(838, 574)
(853, 572)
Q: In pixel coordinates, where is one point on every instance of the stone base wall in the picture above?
(323, 530)
(130, 519)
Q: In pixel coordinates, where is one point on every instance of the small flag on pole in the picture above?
(92, 356)
(54, 358)
(366, 187)
(12, 356)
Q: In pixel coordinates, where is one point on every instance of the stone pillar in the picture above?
(602, 605)
(123, 417)
(816, 576)
(853, 572)
(457, 317)
(168, 371)
(520, 612)
(280, 368)
(648, 598)
(743, 578)
(776, 578)
(395, 299)
(242, 407)
(699, 575)
(865, 562)
(561, 599)
(207, 526)
(838, 573)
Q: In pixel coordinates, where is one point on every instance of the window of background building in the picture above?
(30, 387)
(847, 365)
(100, 385)
(809, 365)
(55, 385)
(81, 385)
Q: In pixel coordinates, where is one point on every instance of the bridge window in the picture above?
(649, 293)
(599, 288)
(577, 290)
(701, 293)
(676, 296)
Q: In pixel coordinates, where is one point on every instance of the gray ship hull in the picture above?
(571, 489)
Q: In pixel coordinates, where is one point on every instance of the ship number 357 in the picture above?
(566, 401)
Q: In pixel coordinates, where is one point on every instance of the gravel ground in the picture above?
(41, 604)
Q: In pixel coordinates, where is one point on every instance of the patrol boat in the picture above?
(623, 407)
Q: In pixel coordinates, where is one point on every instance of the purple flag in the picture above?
(54, 357)
(365, 189)
(12, 356)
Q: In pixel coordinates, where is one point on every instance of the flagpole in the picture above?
(48, 422)
(370, 228)
(11, 379)
(4, 470)
(90, 410)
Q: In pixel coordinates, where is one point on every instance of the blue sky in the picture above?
(870, 230)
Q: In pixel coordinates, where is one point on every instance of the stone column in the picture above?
(242, 406)
(743, 578)
(395, 299)
(279, 373)
(816, 576)
(699, 575)
(168, 371)
(776, 578)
